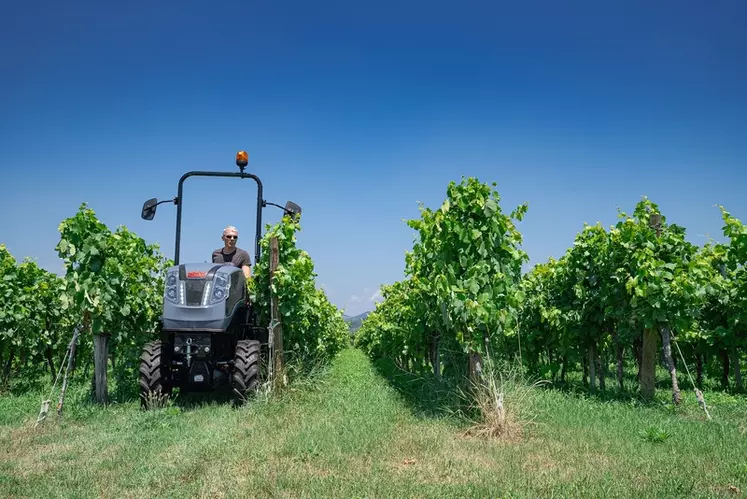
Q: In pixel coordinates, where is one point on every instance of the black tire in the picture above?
(154, 388)
(245, 376)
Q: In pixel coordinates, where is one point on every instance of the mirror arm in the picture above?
(286, 211)
(175, 201)
(265, 203)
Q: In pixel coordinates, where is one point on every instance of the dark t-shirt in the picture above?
(238, 257)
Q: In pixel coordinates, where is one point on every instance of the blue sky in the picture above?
(357, 111)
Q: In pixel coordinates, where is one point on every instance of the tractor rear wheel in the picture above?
(245, 377)
(154, 388)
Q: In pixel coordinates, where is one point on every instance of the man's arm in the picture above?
(246, 265)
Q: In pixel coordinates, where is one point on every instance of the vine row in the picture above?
(637, 291)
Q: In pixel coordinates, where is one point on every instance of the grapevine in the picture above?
(313, 328)
(113, 284)
(623, 294)
(463, 281)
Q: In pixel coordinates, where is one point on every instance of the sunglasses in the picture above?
(231, 237)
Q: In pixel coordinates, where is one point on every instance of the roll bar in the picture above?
(149, 207)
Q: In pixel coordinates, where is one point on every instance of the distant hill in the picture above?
(355, 322)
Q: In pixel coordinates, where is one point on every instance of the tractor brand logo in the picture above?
(196, 275)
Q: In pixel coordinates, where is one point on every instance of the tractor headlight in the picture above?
(220, 289)
(172, 283)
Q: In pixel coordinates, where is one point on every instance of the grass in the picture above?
(360, 431)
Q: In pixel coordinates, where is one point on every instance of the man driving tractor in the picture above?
(230, 253)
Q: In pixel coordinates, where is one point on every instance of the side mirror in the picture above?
(149, 209)
(293, 209)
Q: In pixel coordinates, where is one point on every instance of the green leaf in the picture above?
(491, 207)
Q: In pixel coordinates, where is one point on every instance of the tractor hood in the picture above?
(202, 296)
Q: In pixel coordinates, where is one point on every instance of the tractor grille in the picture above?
(194, 288)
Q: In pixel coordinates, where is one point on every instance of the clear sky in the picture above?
(358, 110)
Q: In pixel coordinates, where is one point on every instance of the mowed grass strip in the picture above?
(350, 434)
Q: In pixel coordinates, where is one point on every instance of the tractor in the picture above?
(209, 335)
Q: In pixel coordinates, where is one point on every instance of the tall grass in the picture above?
(501, 401)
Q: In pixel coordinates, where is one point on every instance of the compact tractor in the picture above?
(209, 334)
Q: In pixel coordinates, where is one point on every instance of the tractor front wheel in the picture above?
(245, 377)
(154, 388)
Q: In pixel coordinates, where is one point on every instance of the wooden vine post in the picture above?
(592, 351)
(436, 355)
(475, 365)
(100, 360)
(648, 363)
(275, 315)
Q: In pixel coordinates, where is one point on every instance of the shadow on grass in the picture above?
(431, 397)
(427, 396)
(123, 389)
(305, 375)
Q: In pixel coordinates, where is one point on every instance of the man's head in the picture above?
(230, 236)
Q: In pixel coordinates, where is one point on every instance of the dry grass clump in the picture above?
(157, 400)
(501, 403)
